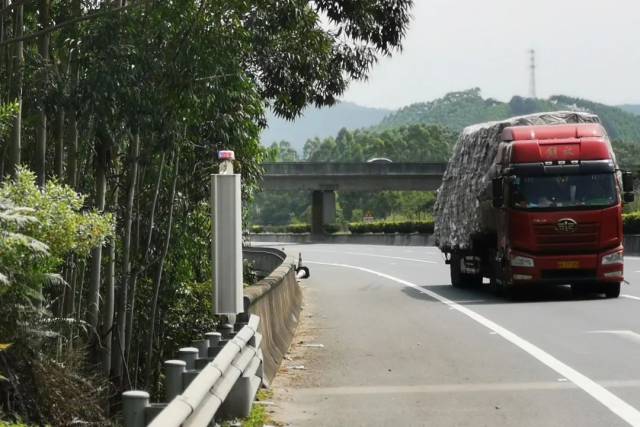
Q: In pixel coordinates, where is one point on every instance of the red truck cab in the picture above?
(557, 199)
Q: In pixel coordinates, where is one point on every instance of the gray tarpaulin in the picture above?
(467, 180)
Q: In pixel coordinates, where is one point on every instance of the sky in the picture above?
(584, 48)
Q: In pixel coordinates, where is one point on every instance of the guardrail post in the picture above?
(214, 338)
(173, 370)
(134, 403)
(215, 344)
(226, 330)
(203, 348)
(189, 356)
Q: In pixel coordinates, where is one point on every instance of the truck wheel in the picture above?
(460, 279)
(456, 274)
(611, 290)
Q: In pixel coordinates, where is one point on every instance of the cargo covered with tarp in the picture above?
(465, 194)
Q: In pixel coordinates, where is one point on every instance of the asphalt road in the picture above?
(387, 341)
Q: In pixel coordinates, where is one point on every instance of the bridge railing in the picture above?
(220, 373)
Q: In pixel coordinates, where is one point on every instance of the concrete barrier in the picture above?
(398, 239)
(277, 299)
(263, 260)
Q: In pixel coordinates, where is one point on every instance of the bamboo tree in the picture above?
(72, 114)
(121, 326)
(93, 297)
(147, 251)
(109, 299)
(59, 143)
(159, 271)
(15, 149)
(41, 127)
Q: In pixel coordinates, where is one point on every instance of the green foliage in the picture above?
(414, 143)
(279, 207)
(38, 229)
(298, 228)
(454, 111)
(392, 227)
(289, 228)
(331, 228)
(281, 152)
(249, 274)
(7, 113)
(457, 110)
(60, 221)
(186, 79)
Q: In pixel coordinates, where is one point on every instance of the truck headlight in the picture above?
(522, 261)
(614, 258)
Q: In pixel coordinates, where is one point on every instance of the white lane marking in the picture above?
(630, 335)
(630, 297)
(616, 405)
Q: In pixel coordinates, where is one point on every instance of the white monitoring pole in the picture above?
(227, 238)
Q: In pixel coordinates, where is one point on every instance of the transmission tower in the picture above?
(532, 76)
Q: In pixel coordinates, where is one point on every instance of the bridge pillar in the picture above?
(323, 210)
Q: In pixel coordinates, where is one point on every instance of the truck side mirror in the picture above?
(627, 182)
(497, 192)
(628, 197)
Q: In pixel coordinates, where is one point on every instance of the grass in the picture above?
(259, 415)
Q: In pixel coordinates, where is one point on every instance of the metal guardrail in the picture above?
(223, 371)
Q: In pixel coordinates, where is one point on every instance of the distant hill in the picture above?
(321, 123)
(630, 108)
(459, 109)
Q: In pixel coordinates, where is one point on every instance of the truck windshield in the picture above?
(564, 191)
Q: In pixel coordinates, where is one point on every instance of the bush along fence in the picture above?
(425, 227)
(631, 225)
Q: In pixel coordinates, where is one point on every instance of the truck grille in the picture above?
(584, 238)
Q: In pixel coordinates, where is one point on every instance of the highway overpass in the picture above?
(324, 179)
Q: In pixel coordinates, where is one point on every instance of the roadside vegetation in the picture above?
(110, 117)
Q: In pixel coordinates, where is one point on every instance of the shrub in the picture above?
(631, 222)
(331, 228)
(298, 228)
(257, 229)
(392, 227)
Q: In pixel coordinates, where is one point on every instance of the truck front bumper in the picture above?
(568, 269)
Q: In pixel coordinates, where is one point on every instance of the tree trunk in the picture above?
(134, 151)
(13, 159)
(158, 278)
(134, 281)
(93, 296)
(41, 127)
(72, 114)
(109, 299)
(59, 138)
(69, 295)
